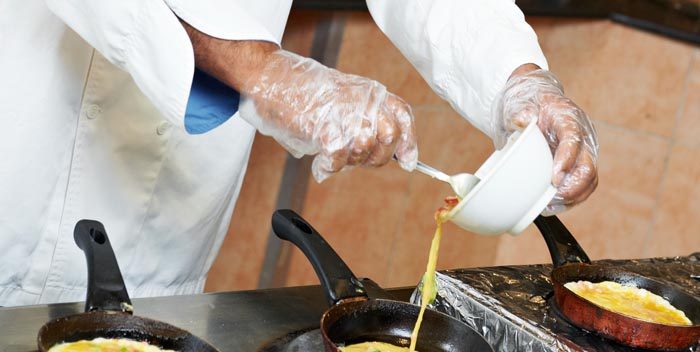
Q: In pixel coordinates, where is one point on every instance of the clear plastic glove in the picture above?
(345, 120)
(571, 136)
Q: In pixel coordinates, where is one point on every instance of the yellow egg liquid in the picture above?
(106, 345)
(373, 347)
(631, 301)
(429, 290)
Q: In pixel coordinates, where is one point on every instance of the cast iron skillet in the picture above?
(572, 264)
(353, 317)
(108, 311)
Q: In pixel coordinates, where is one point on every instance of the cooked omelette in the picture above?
(630, 301)
(106, 345)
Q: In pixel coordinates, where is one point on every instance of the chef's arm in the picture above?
(345, 120)
(465, 49)
(237, 63)
(484, 59)
(147, 40)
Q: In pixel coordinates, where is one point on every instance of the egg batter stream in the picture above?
(428, 290)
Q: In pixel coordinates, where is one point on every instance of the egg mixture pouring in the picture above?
(106, 345)
(428, 289)
(631, 301)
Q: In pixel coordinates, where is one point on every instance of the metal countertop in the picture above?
(232, 321)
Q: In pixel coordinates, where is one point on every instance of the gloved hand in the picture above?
(345, 119)
(539, 95)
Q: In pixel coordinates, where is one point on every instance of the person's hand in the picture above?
(345, 119)
(537, 94)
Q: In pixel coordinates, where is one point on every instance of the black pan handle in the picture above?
(336, 278)
(561, 243)
(106, 290)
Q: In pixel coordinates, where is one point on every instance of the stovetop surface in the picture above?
(509, 305)
(297, 341)
(232, 321)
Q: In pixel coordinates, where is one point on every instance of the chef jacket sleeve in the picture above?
(145, 38)
(465, 49)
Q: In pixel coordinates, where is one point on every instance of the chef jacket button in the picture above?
(163, 127)
(93, 111)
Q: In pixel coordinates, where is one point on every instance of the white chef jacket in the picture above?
(93, 101)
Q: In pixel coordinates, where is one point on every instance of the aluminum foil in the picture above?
(513, 306)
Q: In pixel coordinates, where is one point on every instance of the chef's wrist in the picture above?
(246, 68)
(236, 63)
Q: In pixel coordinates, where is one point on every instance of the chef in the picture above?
(141, 114)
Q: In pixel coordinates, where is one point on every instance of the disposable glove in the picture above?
(345, 120)
(571, 136)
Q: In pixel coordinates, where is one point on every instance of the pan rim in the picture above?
(327, 338)
(181, 334)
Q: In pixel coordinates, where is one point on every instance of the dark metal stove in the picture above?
(298, 341)
(513, 306)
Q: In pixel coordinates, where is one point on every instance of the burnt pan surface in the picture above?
(392, 322)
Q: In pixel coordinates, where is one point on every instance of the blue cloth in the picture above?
(211, 103)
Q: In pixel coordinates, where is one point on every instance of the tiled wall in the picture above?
(642, 90)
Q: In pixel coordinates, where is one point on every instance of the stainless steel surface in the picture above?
(231, 321)
(328, 36)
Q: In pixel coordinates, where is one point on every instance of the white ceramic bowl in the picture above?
(515, 187)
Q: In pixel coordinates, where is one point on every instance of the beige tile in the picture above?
(449, 143)
(677, 226)
(616, 220)
(688, 130)
(299, 33)
(356, 212)
(366, 51)
(239, 262)
(617, 74)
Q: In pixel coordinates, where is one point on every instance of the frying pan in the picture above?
(108, 311)
(353, 317)
(572, 264)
